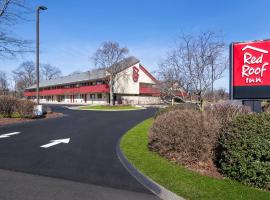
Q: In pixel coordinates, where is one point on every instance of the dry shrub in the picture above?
(180, 106)
(11, 106)
(25, 108)
(185, 136)
(226, 112)
(190, 137)
(266, 107)
(7, 105)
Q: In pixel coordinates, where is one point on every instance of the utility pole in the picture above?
(37, 47)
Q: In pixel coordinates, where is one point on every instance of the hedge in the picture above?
(244, 150)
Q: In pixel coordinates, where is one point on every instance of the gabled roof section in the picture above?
(124, 64)
(79, 77)
(86, 76)
(149, 74)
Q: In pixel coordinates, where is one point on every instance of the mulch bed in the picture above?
(207, 169)
(5, 121)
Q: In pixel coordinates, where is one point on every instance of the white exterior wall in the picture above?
(67, 99)
(141, 100)
(125, 84)
(79, 100)
(102, 101)
(42, 100)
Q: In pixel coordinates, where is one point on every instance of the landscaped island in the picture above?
(14, 110)
(110, 108)
(178, 150)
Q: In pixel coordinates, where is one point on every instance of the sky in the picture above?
(71, 31)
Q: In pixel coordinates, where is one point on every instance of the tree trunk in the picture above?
(200, 100)
(201, 104)
(111, 98)
(111, 94)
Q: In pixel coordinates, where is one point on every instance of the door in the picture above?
(85, 98)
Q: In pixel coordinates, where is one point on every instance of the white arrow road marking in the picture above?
(9, 134)
(55, 142)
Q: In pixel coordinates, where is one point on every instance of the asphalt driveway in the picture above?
(89, 157)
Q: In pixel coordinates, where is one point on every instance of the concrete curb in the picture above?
(147, 182)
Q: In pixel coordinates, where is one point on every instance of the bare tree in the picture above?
(24, 76)
(49, 72)
(110, 56)
(171, 85)
(221, 94)
(195, 63)
(11, 13)
(3, 83)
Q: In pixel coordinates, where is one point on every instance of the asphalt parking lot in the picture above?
(77, 150)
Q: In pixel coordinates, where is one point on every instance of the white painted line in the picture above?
(9, 134)
(55, 142)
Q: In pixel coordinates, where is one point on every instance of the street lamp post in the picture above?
(37, 47)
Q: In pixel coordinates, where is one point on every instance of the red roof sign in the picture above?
(250, 66)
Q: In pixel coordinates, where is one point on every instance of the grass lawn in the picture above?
(185, 183)
(110, 108)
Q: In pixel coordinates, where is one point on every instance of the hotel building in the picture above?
(134, 85)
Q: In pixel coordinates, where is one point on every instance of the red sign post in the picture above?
(250, 70)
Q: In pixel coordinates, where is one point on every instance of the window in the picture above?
(99, 82)
(99, 96)
(92, 96)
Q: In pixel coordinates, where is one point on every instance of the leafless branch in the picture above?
(24, 76)
(50, 72)
(110, 57)
(190, 65)
(11, 13)
(3, 83)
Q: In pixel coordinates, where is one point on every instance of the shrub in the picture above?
(226, 112)
(181, 106)
(7, 105)
(265, 106)
(185, 136)
(25, 108)
(245, 150)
